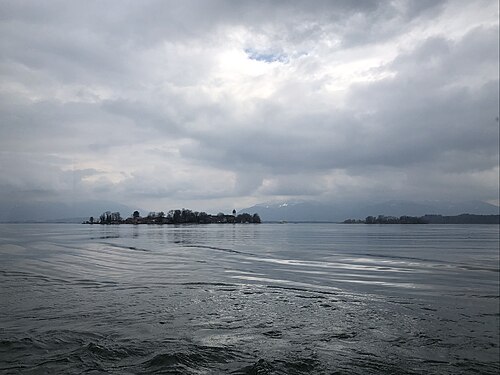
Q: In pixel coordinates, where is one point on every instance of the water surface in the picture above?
(249, 299)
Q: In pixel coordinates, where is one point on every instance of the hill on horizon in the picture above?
(338, 211)
(71, 212)
(315, 211)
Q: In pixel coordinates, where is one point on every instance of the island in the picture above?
(180, 216)
(428, 219)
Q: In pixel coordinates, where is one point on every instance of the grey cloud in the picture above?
(424, 129)
(438, 60)
(51, 126)
(39, 176)
(415, 132)
(144, 115)
(383, 21)
(91, 29)
(294, 185)
(449, 127)
(106, 84)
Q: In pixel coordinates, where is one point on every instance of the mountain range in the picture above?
(305, 211)
(315, 211)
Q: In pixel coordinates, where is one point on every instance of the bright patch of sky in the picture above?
(266, 57)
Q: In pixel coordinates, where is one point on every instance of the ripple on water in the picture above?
(264, 299)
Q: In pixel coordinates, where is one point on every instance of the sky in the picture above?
(214, 105)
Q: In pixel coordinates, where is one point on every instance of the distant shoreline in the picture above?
(274, 222)
(230, 219)
(428, 219)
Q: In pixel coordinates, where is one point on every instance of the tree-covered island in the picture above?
(428, 219)
(381, 219)
(183, 216)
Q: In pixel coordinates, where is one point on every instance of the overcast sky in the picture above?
(220, 104)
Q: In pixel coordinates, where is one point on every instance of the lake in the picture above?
(249, 299)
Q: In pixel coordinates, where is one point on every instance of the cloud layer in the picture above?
(221, 104)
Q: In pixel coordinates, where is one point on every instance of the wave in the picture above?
(226, 250)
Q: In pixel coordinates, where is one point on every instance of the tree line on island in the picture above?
(183, 216)
(428, 219)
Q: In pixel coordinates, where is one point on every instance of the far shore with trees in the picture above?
(182, 216)
(428, 219)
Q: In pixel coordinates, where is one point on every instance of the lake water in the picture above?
(249, 299)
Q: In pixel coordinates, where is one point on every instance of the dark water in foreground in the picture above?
(249, 299)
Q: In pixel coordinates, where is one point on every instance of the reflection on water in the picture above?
(249, 299)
